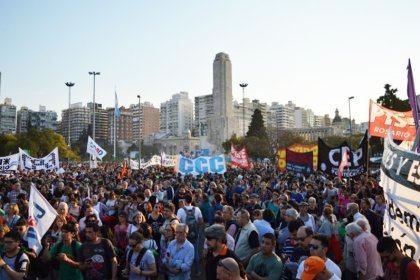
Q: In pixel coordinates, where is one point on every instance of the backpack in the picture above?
(17, 258)
(139, 256)
(191, 223)
(56, 263)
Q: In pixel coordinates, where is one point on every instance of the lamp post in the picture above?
(138, 96)
(69, 84)
(94, 104)
(350, 98)
(243, 86)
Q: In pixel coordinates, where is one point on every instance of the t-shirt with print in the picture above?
(100, 256)
(66, 270)
(22, 265)
(146, 261)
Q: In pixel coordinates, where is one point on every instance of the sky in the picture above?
(313, 53)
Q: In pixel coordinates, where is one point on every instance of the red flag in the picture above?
(344, 161)
(240, 158)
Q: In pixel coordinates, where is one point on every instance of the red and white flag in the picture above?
(344, 161)
(240, 158)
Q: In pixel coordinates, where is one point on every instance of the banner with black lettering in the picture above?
(329, 159)
(9, 163)
(400, 179)
(50, 162)
(299, 162)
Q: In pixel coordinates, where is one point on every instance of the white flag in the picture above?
(134, 165)
(95, 149)
(41, 216)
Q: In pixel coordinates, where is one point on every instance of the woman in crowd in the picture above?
(12, 215)
(138, 219)
(155, 219)
(57, 226)
(169, 235)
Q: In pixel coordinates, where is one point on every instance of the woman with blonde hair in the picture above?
(12, 215)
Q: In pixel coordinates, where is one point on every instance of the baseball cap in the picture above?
(311, 267)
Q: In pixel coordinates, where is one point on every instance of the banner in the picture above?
(215, 164)
(94, 149)
(299, 148)
(400, 179)
(329, 159)
(299, 162)
(381, 119)
(168, 160)
(134, 165)
(155, 160)
(239, 158)
(50, 162)
(9, 163)
(41, 216)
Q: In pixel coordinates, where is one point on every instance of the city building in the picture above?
(151, 120)
(176, 114)
(78, 119)
(7, 117)
(204, 110)
(42, 119)
(223, 124)
(124, 128)
(244, 111)
(101, 121)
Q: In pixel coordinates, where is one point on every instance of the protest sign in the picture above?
(400, 179)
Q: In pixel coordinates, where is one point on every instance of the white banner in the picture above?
(94, 149)
(400, 179)
(155, 160)
(134, 165)
(9, 163)
(41, 217)
(50, 162)
(168, 160)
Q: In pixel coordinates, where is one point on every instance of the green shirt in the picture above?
(270, 267)
(67, 271)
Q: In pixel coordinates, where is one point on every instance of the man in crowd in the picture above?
(368, 260)
(265, 264)
(391, 254)
(263, 223)
(13, 263)
(228, 269)
(180, 255)
(97, 256)
(247, 240)
(217, 249)
(318, 246)
(315, 268)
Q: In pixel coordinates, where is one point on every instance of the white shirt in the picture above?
(182, 215)
(329, 264)
(263, 227)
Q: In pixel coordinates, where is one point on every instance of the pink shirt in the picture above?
(368, 260)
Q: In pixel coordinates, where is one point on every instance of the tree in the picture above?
(391, 101)
(287, 138)
(257, 127)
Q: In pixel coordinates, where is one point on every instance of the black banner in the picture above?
(329, 159)
(299, 162)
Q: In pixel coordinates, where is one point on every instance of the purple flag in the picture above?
(412, 99)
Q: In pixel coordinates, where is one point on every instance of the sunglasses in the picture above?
(220, 263)
(312, 246)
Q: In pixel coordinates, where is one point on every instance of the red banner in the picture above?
(381, 119)
(240, 158)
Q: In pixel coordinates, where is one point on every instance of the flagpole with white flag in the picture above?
(117, 114)
(41, 216)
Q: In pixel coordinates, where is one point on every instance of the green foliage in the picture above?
(334, 140)
(391, 101)
(38, 142)
(258, 147)
(287, 138)
(256, 127)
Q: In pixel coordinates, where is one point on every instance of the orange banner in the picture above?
(298, 148)
(381, 119)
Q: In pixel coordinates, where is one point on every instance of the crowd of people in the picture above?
(155, 224)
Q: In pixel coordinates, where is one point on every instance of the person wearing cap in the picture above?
(228, 269)
(314, 268)
(307, 218)
(66, 252)
(217, 249)
(265, 264)
(318, 246)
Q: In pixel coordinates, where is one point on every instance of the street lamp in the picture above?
(69, 84)
(350, 98)
(138, 96)
(243, 86)
(94, 105)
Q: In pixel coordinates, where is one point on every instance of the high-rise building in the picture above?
(124, 129)
(222, 124)
(101, 121)
(22, 120)
(204, 110)
(283, 115)
(7, 117)
(176, 115)
(149, 120)
(42, 119)
(80, 119)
